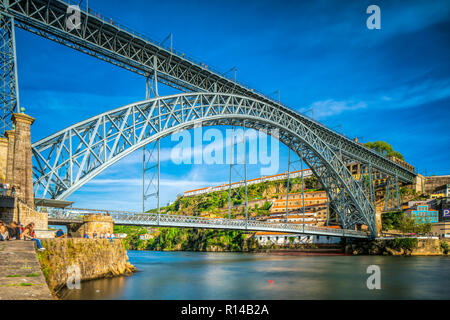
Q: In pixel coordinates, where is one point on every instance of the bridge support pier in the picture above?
(92, 223)
(22, 170)
(3, 158)
(378, 221)
(16, 169)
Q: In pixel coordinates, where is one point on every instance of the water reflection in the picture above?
(189, 275)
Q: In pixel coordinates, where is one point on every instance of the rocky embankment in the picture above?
(94, 259)
(399, 247)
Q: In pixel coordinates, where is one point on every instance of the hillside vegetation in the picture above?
(178, 239)
(259, 198)
(213, 205)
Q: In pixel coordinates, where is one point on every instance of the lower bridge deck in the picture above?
(178, 221)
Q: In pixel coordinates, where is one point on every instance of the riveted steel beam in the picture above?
(71, 157)
(107, 40)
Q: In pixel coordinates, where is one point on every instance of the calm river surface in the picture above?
(194, 275)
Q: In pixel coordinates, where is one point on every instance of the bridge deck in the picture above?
(178, 221)
(107, 40)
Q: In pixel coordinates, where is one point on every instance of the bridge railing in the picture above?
(114, 22)
(133, 218)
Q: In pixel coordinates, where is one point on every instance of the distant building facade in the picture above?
(441, 229)
(316, 203)
(146, 236)
(423, 214)
(294, 174)
(441, 192)
(435, 183)
(266, 238)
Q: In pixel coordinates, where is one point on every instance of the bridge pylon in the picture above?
(9, 90)
(151, 166)
(17, 201)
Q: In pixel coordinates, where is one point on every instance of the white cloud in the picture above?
(404, 96)
(115, 184)
(410, 95)
(178, 154)
(327, 108)
(126, 193)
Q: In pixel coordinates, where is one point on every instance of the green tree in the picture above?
(391, 220)
(398, 220)
(384, 148)
(266, 206)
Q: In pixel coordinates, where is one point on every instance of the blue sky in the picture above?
(391, 84)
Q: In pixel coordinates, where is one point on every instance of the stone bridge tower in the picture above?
(21, 171)
(16, 169)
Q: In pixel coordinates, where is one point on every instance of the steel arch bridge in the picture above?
(68, 159)
(75, 216)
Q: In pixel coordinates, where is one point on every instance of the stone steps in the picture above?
(21, 277)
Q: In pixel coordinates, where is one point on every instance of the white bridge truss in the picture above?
(178, 221)
(66, 160)
(71, 157)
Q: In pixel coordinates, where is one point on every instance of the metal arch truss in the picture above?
(66, 160)
(178, 221)
(9, 96)
(151, 176)
(107, 40)
(392, 196)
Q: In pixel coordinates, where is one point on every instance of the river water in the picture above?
(195, 275)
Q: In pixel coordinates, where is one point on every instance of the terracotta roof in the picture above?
(260, 178)
(196, 190)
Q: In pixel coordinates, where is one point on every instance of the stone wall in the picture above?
(3, 158)
(95, 259)
(419, 184)
(24, 215)
(427, 247)
(8, 215)
(99, 224)
(28, 215)
(387, 247)
(16, 169)
(22, 173)
(435, 182)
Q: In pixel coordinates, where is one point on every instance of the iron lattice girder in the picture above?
(167, 220)
(8, 73)
(68, 159)
(117, 45)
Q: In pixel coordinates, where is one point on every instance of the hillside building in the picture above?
(266, 238)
